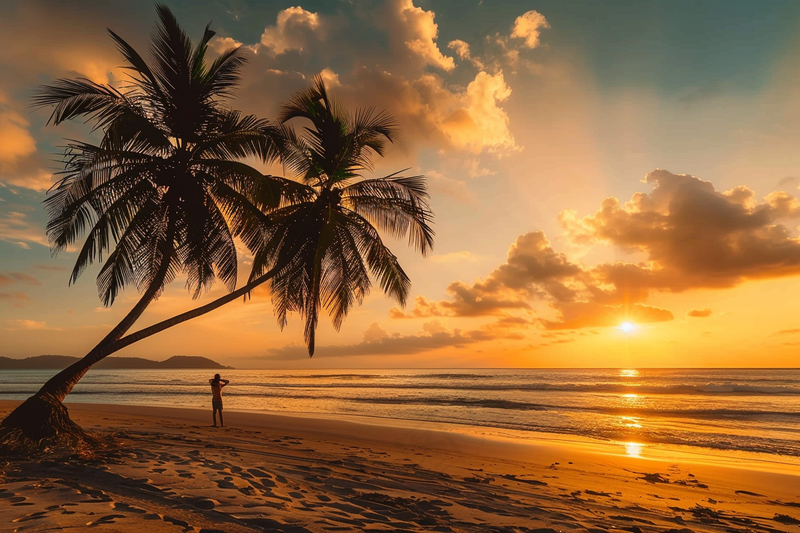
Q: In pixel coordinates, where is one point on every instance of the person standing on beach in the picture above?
(216, 398)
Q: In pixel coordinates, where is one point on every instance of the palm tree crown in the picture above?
(327, 232)
(162, 192)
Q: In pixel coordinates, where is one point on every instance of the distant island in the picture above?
(58, 362)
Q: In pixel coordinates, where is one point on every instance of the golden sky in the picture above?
(589, 165)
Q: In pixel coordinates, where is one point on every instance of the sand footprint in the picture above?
(107, 519)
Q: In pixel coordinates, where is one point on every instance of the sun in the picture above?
(627, 327)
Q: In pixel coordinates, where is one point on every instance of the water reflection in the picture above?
(629, 373)
(631, 422)
(634, 449)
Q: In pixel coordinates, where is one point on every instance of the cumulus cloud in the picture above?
(293, 30)
(405, 72)
(692, 235)
(695, 236)
(699, 313)
(470, 119)
(528, 26)
(418, 32)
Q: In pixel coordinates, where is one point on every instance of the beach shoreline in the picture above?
(171, 471)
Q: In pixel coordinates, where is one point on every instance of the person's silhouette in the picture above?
(216, 398)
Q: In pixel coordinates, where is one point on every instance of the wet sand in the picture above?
(169, 470)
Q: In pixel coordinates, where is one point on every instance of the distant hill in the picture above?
(58, 362)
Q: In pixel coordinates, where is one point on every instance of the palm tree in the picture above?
(161, 194)
(317, 246)
(341, 215)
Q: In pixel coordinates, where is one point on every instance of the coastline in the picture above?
(269, 471)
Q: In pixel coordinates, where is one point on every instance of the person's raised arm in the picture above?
(225, 382)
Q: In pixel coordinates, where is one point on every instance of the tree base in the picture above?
(40, 425)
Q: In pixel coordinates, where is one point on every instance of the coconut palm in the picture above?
(341, 215)
(319, 246)
(162, 193)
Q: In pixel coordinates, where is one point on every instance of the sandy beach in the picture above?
(169, 470)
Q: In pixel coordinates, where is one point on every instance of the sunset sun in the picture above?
(627, 327)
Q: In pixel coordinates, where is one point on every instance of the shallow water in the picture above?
(753, 410)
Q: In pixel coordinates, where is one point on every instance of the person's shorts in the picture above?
(215, 404)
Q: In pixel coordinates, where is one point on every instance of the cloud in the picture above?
(479, 123)
(294, 29)
(470, 119)
(578, 315)
(463, 51)
(9, 278)
(25, 324)
(15, 140)
(787, 331)
(378, 342)
(16, 229)
(695, 236)
(528, 27)
(392, 72)
(699, 313)
(15, 298)
(692, 236)
(19, 164)
(418, 32)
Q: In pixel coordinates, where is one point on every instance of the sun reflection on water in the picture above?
(629, 373)
(634, 449)
(631, 422)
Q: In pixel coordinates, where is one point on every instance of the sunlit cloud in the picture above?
(377, 341)
(693, 237)
(294, 29)
(31, 325)
(699, 313)
(418, 32)
(528, 27)
(17, 229)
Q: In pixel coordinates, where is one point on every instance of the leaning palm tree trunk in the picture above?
(43, 420)
(43, 417)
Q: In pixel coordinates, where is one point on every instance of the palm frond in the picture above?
(79, 97)
(397, 205)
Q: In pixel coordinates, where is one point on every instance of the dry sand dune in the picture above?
(169, 471)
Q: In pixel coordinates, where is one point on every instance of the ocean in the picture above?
(750, 410)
